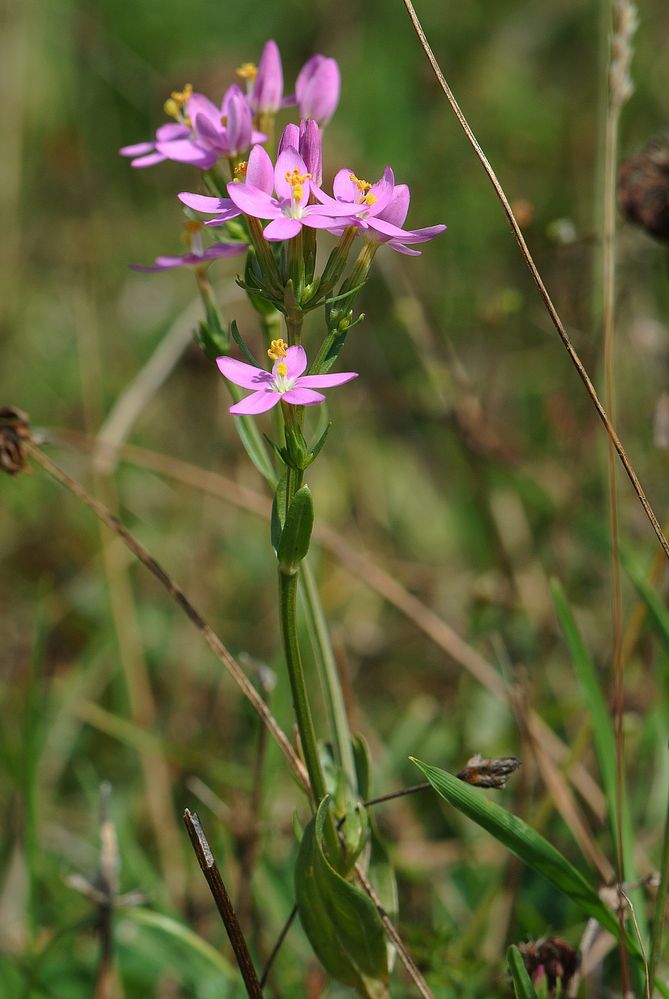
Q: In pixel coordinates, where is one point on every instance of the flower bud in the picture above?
(311, 149)
(238, 122)
(317, 89)
(289, 137)
(268, 85)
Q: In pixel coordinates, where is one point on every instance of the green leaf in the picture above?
(341, 922)
(278, 511)
(176, 930)
(604, 741)
(527, 844)
(296, 534)
(241, 343)
(522, 985)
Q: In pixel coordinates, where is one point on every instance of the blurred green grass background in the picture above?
(466, 460)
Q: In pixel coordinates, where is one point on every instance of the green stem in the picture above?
(660, 907)
(305, 724)
(325, 659)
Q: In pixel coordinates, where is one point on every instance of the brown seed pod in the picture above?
(14, 431)
(643, 189)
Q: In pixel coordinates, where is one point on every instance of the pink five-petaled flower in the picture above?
(380, 210)
(286, 382)
(317, 89)
(290, 209)
(202, 132)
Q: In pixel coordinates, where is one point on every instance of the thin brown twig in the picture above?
(392, 934)
(278, 945)
(382, 582)
(538, 280)
(220, 895)
(209, 635)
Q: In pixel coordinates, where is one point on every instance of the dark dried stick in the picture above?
(538, 280)
(220, 895)
(277, 946)
(209, 635)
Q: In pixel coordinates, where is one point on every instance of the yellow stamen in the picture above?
(282, 369)
(171, 108)
(193, 225)
(296, 180)
(362, 185)
(369, 199)
(240, 170)
(247, 71)
(277, 349)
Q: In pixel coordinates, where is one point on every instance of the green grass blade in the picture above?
(604, 741)
(518, 837)
(522, 985)
(176, 930)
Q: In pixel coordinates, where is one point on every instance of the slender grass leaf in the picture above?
(518, 837)
(522, 985)
(176, 930)
(603, 739)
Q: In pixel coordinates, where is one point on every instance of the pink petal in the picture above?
(243, 374)
(257, 402)
(203, 203)
(302, 397)
(295, 361)
(185, 151)
(326, 381)
(397, 208)
(147, 161)
(198, 104)
(252, 201)
(288, 161)
(139, 149)
(170, 131)
(260, 170)
(343, 187)
(282, 228)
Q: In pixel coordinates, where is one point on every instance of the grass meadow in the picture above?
(463, 541)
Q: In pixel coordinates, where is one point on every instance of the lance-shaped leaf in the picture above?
(527, 844)
(522, 984)
(296, 534)
(341, 922)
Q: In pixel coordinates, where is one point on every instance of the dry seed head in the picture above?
(625, 23)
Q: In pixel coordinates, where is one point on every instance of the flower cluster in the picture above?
(274, 208)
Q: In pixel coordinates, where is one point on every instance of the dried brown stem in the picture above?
(536, 277)
(220, 895)
(209, 635)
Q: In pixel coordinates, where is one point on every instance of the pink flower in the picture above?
(289, 210)
(378, 210)
(202, 132)
(267, 90)
(286, 382)
(259, 174)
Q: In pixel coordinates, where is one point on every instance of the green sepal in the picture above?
(522, 984)
(316, 449)
(241, 343)
(278, 510)
(213, 342)
(296, 534)
(260, 297)
(340, 921)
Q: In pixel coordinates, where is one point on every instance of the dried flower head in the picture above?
(14, 432)
(643, 189)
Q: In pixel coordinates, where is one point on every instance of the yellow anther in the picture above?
(240, 170)
(224, 120)
(369, 199)
(247, 71)
(176, 102)
(281, 369)
(171, 108)
(277, 349)
(193, 225)
(296, 180)
(362, 185)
